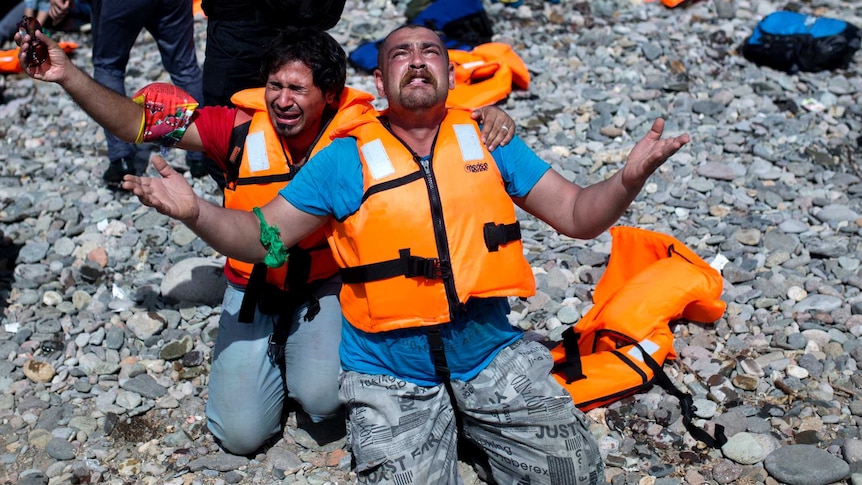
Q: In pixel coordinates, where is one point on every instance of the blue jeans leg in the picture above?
(115, 26)
(173, 29)
(245, 390)
(246, 393)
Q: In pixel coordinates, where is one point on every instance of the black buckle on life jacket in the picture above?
(428, 268)
(405, 265)
(498, 234)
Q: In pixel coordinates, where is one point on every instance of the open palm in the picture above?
(649, 154)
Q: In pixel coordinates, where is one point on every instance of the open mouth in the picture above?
(421, 78)
(288, 118)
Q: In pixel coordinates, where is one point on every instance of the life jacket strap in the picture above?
(438, 354)
(570, 368)
(686, 403)
(498, 234)
(266, 179)
(253, 291)
(405, 265)
(236, 147)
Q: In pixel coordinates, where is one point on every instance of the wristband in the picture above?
(276, 254)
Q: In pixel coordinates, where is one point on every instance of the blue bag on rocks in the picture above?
(792, 42)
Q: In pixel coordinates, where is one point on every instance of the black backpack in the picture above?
(792, 42)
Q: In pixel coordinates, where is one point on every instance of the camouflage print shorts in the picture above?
(527, 424)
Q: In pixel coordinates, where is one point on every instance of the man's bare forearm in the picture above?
(113, 111)
(233, 233)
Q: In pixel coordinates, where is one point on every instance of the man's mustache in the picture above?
(423, 74)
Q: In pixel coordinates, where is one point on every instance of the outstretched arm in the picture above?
(117, 113)
(233, 233)
(585, 212)
(113, 111)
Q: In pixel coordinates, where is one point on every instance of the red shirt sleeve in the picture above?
(214, 124)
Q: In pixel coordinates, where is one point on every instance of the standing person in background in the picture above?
(115, 27)
(38, 9)
(238, 32)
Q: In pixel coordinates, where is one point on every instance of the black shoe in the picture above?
(113, 176)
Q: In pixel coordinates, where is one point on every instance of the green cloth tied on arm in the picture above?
(276, 254)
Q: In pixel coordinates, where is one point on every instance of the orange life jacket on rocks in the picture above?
(619, 346)
(265, 169)
(486, 74)
(402, 266)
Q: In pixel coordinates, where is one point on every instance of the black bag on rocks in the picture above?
(792, 42)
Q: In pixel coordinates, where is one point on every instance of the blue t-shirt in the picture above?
(331, 184)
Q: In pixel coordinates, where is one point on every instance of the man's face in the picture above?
(415, 72)
(294, 103)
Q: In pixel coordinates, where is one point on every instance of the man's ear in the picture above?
(378, 82)
(331, 98)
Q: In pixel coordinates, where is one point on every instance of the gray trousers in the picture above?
(402, 433)
(246, 394)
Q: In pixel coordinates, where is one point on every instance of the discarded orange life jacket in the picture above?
(619, 346)
(486, 75)
(9, 58)
(402, 266)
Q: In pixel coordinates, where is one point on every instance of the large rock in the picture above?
(805, 465)
(196, 280)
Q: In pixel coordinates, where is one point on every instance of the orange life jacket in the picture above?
(486, 74)
(402, 266)
(619, 346)
(265, 169)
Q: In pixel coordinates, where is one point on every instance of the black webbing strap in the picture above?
(438, 354)
(235, 149)
(686, 403)
(253, 290)
(467, 450)
(299, 291)
(266, 179)
(405, 265)
(498, 234)
(571, 368)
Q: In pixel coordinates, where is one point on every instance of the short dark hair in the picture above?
(314, 48)
(381, 54)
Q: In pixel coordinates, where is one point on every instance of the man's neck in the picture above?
(299, 146)
(417, 129)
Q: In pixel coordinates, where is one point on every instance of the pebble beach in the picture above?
(110, 310)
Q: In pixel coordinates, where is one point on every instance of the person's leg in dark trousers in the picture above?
(234, 52)
(172, 26)
(115, 26)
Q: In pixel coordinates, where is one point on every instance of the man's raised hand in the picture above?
(170, 194)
